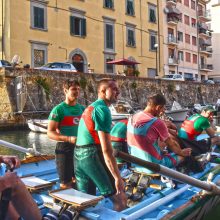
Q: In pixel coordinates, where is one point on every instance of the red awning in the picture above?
(123, 61)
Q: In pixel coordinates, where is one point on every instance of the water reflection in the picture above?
(26, 138)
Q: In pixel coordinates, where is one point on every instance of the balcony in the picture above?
(206, 67)
(204, 30)
(172, 61)
(171, 40)
(173, 15)
(204, 15)
(205, 43)
(171, 2)
(206, 50)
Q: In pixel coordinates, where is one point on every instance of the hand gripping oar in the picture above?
(19, 148)
(173, 174)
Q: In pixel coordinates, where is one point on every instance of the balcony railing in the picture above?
(172, 61)
(172, 40)
(172, 19)
(172, 2)
(204, 14)
(206, 49)
(205, 32)
(204, 43)
(208, 67)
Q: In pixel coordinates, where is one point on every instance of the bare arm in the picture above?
(210, 131)
(175, 147)
(110, 160)
(52, 132)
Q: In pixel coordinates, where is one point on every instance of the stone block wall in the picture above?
(26, 92)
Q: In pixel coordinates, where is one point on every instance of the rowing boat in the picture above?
(186, 198)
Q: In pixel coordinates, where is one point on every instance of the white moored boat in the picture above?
(38, 125)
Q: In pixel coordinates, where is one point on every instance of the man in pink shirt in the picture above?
(145, 129)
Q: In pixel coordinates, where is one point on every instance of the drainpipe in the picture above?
(197, 35)
(141, 28)
(158, 34)
(2, 28)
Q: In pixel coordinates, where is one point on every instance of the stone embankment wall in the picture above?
(25, 93)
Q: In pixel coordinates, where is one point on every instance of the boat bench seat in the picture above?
(73, 199)
(34, 183)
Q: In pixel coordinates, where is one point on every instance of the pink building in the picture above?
(187, 39)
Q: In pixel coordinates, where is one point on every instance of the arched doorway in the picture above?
(78, 62)
(78, 58)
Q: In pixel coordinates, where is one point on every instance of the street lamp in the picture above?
(65, 51)
(155, 47)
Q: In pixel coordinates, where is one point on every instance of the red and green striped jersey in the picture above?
(68, 117)
(119, 131)
(96, 117)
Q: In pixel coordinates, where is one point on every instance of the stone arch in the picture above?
(79, 52)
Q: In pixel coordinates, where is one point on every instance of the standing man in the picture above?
(94, 162)
(194, 126)
(119, 138)
(63, 127)
(145, 129)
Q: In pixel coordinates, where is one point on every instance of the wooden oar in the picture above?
(173, 174)
(40, 125)
(19, 148)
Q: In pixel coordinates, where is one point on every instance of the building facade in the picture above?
(87, 33)
(187, 39)
(214, 8)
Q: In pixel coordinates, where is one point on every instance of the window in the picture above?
(186, 19)
(130, 7)
(194, 41)
(38, 54)
(109, 36)
(77, 26)
(180, 36)
(153, 40)
(195, 59)
(181, 17)
(152, 13)
(38, 15)
(131, 37)
(193, 4)
(109, 68)
(151, 73)
(108, 4)
(186, 3)
(187, 38)
(193, 22)
(188, 57)
(180, 55)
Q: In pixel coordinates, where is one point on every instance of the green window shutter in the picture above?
(38, 17)
(152, 15)
(72, 24)
(83, 26)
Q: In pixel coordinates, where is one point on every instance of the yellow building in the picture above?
(87, 33)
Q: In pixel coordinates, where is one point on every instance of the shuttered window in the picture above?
(153, 41)
(130, 38)
(188, 57)
(195, 59)
(109, 36)
(77, 26)
(108, 4)
(152, 13)
(130, 7)
(38, 17)
(187, 38)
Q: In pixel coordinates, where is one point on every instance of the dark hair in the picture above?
(70, 82)
(157, 99)
(104, 81)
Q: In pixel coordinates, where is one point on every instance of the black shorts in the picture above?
(198, 147)
(64, 161)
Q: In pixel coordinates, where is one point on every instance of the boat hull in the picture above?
(33, 125)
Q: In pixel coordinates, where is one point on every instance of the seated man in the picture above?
(144, 131)
(119, 138)
(193, 127)
(21, 203)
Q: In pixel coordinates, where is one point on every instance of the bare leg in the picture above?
(12, 213)
(20, 198)
(119, 201)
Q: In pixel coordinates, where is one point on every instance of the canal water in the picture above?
(26, 138)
